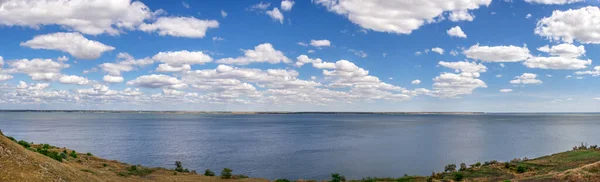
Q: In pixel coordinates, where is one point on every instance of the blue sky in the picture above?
(369, 55)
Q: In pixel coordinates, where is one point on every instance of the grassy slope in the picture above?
(20, 164)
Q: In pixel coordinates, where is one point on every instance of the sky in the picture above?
(318, 55)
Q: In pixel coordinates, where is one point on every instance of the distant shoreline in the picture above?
(244, 112)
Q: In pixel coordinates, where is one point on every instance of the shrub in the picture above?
(179, 167)
(63, 155)
(24, 144)
(521, 169)
(335, 177)
(463, 167)
(208, 172)
(51, 154)
(593, 146)
(133, 168)
(89, 154)
(284, 180)
(45, 146)
(430, 179)
(240, 176)
(73, 154)
(506, 165)
(11, 138)
(458, 176)
(226, 173)
(450, 168)
(104, 164)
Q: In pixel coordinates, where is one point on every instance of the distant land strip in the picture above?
(239, 112)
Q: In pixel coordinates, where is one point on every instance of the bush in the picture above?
(430, 179)
(284, 180)
(104, 164)
(208, 172)
(24, 144)
(450, 168)
(458, 176)
(11, 138)
(45, 146)
(179, 167)
(239, 176)
(73, 154)
(463, 167)
(226, 173)
(133, 168)
(51, 154)
(593, 146)
(335, 177)
(89, 154)
(521, 169)
(63, 155)
(506, 165)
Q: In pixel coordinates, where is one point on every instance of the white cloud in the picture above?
(418, 53)
(556, 63)
(570, 25)
(438, 50)
(38, 69)
(4, 77)
(320, 43)
(456, 32)
(185, 5)
(259, 7)
(72, 43)
(317, 63)
(526, 78)
(178, 58)
(564, 50)
(553, 1)
(223, 13)
(506, 90)
(112, 79)
(527, 16)
(189, 27)
(461, 15)
(171, 68)
(125, 63)
(595, 72)
(218, 39)
(275, 14)
(497, 53)
(157, 81)
(286, 5)
(398, 16)
(261, 53)
(415, 82)
(73, 79)
(358, 53)
(302, 44)
(80, 16)
(464, 66)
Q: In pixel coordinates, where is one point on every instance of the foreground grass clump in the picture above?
(136, 170)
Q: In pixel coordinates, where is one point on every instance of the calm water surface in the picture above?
(307, 146)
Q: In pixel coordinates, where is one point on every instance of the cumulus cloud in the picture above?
(189, 27)
(125, 63)
(263, 53)
(437, 50)
(383, 16)
(497, 53)
(456, 32)
(116, 16)
(571, 25)
(553, 1)
(73, 79)
(506, 90)
(564, 50)
(449, 85)
(112, 79)
(72, 43)
(415, 82)
(526, 78)
(5, 77)
(556, 63)
(184, 57)
(157, 81)
(37, 69)
(286, 5)
(594, 72)
(275, 14)
(461, 15)
(317, 63)
(320, 43)
(171, 68)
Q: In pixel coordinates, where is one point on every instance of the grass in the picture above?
(136, 171)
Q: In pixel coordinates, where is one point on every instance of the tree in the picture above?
(208, 172)
(226, 173)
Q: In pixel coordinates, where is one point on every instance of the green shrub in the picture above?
(458, 176)
(521, 169)
(73, 154)
(226, 173)
(335, 177)
(450, 168)
(239, 176)
(429, 179)
(51, 154)
(208, 172)
(63, 155)
(284, 180)
(45, 146)
(104, 164)
(463, 167)
(11, 138)
(507, 165)
(89, 154)
(133, 168)
(478, 164)
(24, 144)
(179, 167)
